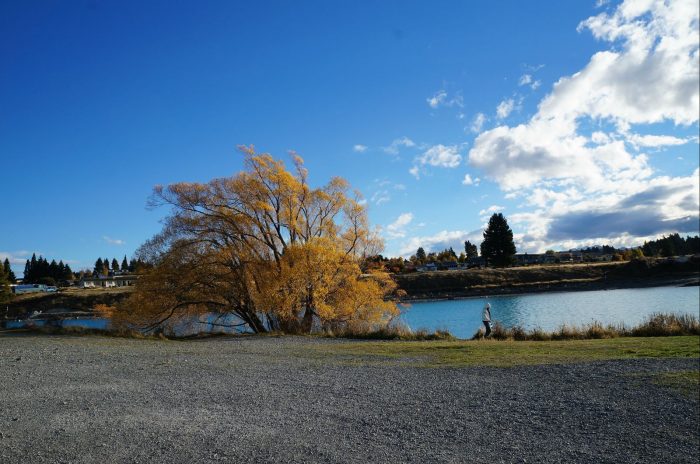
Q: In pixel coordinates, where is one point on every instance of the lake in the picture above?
(551, 310)
(463, 317)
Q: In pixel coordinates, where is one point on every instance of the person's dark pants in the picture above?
(487, 324)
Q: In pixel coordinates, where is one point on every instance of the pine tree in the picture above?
(4, 288)
(125, 265)
(99, 267)
(420, 255)
(32, 269)
(115, 264)
(67, 273)
(470, 250)
(498, 247)
(8, 271)
(53, 270)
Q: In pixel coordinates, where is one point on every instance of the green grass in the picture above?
(507, 353)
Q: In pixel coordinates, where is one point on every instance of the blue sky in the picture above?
(577, 120)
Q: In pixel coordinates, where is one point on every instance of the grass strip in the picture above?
(507, 353)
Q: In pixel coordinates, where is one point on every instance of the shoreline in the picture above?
(557, 287)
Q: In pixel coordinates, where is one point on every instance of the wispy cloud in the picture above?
(505, 108)
(359, 148)
(395, 147)
(397, 229)
(380, 196)
(440, 241)
(468, 180)
(441, 98)
(484, 214)
(478, 122)
(527, 79)
(113, 241)
(438, 156)
(15, 257)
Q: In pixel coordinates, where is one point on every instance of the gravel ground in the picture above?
(94, 399)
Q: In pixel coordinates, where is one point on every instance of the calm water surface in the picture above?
(550, 310)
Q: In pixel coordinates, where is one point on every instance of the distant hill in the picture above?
(72, 298)
(476, 282)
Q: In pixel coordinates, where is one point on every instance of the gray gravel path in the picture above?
(107, 400)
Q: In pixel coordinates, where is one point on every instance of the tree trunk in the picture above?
(308, 320)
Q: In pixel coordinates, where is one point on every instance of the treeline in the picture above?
(6, 272)
(7, 277)
(40, 271)
(673, 245)
(107, 267)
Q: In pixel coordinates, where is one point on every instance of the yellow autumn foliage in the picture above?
(266, 247)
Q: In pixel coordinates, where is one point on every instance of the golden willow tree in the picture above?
(263, 246)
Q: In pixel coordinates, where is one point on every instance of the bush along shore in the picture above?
(656, 325)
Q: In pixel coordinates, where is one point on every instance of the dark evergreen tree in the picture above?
(99, 267)
(471, 250)
(32, 270)
(125, 265)
(53, 271)
(11, 278)
(115, 264)
(67, 273)
(4, 288)
(498, 247)
(420, 255)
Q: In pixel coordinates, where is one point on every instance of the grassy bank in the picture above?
(510, 353)
(656, 325)
(543, 278)
(82, 299)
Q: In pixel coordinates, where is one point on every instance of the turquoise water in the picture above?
(551, 310)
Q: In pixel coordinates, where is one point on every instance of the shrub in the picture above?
(656, 325)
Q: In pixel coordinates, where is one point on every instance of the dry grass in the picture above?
(394, 331)
(656, 325)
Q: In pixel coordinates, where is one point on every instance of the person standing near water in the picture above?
(486, 318)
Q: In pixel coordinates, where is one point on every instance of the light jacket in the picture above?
(486, 317)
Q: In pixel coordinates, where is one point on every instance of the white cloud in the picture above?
(437, 99)
(478, 122)
(396, 144)
(380, 196)
(441, 99)
(113, 241)
(469, 180)
(649, 140)
(527, 79)
(397, 229)
(15, 257)
(505, 108)
(359, 148)
(440, 241)
(594, 187)
(438, 156)
(441, 156)
(491, 209)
